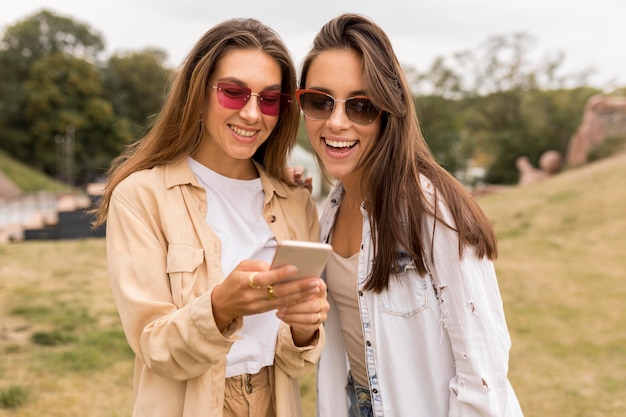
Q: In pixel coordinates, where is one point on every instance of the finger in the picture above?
(308, 285)
(308, 321)
(312, 305)
(251, 283)
(308, 184)
(280, 300)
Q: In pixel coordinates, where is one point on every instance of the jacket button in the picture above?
(272, 219)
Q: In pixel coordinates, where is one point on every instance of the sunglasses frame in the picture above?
(284, 99)
(302, 91)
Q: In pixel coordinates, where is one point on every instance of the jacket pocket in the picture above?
(407, 294)
(182, 264)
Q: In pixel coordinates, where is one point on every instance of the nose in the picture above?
(338, 119)
(252, 110)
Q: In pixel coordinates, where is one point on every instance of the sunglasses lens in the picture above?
(361, 110)
(273, 103)
(318, 106)
(232, 96)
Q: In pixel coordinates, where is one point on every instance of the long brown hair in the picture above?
(392, 167)
(178, 128)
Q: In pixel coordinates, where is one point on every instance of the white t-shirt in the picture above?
(235, 214)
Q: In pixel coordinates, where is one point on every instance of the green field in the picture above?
(561, 271)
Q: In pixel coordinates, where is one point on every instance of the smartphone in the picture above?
(309, 257)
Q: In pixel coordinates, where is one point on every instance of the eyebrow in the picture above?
(237, 81)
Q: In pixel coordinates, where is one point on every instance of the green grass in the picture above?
(27, 179)
(561, 274)
(13, 397)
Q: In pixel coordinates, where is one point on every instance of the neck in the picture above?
(353, 195)
(243, 169)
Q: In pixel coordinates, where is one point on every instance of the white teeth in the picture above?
(340, 143)
(242, 132)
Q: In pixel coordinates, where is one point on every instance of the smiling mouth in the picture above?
(340, 144)
(242, 132)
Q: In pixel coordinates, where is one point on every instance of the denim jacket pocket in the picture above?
(407, 293)
(182, 263)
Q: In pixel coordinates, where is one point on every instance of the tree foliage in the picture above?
(60, 110)
(491, 104)
(508, 105)
(136, 85)
(45, 33)
(441, 123)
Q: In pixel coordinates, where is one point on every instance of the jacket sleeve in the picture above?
(174, 341)
(473, 316)
(297, 361)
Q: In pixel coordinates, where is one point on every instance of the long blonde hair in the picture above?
(177, 129)
(392, 167)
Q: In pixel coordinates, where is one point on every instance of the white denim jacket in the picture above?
(435, 346)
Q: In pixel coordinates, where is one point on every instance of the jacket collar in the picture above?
(178, 173)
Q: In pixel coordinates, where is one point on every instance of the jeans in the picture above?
(360, 399)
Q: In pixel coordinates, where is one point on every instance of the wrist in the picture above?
(303, 338)
(222, 319)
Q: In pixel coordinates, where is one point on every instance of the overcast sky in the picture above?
(592, 34)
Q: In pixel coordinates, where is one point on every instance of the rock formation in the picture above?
(604, 116)
(550, 164)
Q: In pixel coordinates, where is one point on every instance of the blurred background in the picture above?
(525, 103)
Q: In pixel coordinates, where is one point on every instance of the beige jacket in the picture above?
(163, 262)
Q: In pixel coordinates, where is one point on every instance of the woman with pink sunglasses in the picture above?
(416, 325)
(194, 211)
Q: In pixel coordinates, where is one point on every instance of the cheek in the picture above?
(271, 122)
(312, 128)
(372, 134)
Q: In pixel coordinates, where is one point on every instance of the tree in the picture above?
(45, 33)
(49, 83)
(66, 92)
(498, 82)
(441, 122)
(553, 116)
(136, 85)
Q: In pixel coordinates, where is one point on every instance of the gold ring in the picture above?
(270, 292)
(251, 283)
(319, 318)
(321, 306)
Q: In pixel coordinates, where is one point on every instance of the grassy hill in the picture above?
(561, 273)
(27, 179)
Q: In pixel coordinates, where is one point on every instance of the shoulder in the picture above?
(430, 193)
(160, 178)
(285, 191)
(146, 179)
(435, 203)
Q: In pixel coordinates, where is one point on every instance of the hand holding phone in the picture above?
(309, 257)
